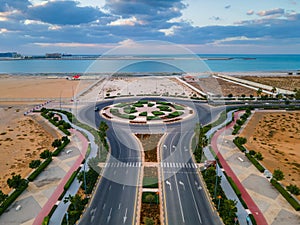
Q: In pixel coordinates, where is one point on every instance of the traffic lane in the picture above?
(187, 198)
(112, 196)
(173, 208)
(124, 147)
(183, 209)
(176, 147)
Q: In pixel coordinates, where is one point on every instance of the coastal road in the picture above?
(184, 198)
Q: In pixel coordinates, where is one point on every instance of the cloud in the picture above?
(170, 31)
(9, 5)
(155, 12)
(250, 12)
(125, 22)
(271, 12)
(63, 13)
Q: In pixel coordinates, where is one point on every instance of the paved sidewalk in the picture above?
(259, 217)
(60, 188)
(276, 210)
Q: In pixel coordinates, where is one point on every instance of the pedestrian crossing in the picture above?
(123, 164)
(178, 165)
(162, 164)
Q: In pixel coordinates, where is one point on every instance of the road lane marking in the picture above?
(109, 216)
(104, 206)
(169, 184)
(125, 216)
(179, 199)
(199, 217)
(182, 184)
(119, 206)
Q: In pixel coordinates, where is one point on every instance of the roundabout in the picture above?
(147, 111)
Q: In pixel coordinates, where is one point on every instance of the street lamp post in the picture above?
(215, 193)
(67, 218)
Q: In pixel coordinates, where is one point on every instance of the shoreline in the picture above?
(60, 75)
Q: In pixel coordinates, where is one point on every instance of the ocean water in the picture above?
(158, 63)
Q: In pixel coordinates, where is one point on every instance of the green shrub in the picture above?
(10, 199)
(293, 189)
(143, 102)
(252, 152)
(130, 110)
(255, 163)
(126, 116)
(35, 173)
(60, 148)
(164, 108)
(174, 114)
(178, 107)
(138, 105)
(158, 113)
(155, 197)
(150, 104)
(286, 195)
(143, 114)
(34, 163)
(46, 220)
(153, 118)
(234, 187)
(45, 154)
(114, 111)
(70, 181)
(252, 219)
(238, 142)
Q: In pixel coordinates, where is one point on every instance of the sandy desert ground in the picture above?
(284, 82)
(221, 87)
(277, 136)
(22, 139)
(20, 87)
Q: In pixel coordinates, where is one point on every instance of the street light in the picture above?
(216, 181)
(219, 197)
(67, 218)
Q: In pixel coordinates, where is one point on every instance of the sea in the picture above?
(92, 64)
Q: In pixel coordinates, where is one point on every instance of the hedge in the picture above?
(38, 170)
(174, 114)
(286, 195)
(252, 219)
(60, 148)
(70, 181)
(153, 118)
(158, 113)
(10, 199)
(46, 220)
(241, 147)
(234, 187)
(255, 163)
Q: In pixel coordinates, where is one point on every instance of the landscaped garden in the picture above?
(146, 110)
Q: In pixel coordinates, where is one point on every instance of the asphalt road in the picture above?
(115, 198)
(114, 201)
(184, 197)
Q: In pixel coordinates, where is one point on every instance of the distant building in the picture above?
(53, 55)
(9, 55)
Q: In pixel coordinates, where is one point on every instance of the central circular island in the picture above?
(147, 111)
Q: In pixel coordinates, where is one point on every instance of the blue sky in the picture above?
(95, 26)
